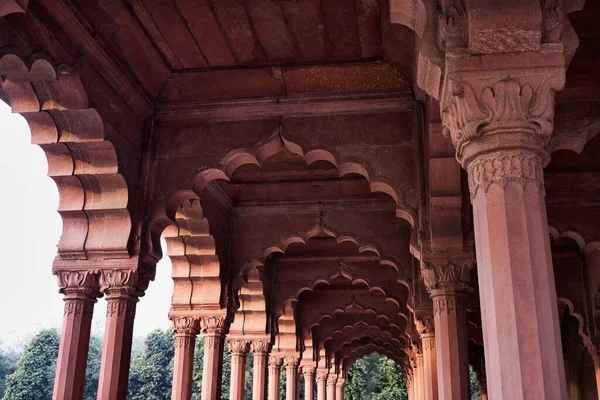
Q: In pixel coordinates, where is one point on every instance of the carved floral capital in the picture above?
(518, 111)
(213, 325)
(186, 325)
(78, 284)
(446, 276)
(291, 361)
(425, 325)
(308, 370)
(321, 376)
(132, 282)
(275, 361)
(260, 346)
(340, 383)
(238, 347)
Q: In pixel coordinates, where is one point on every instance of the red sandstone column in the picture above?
(331, 380)
(291, 377)
(309, 381)
(186, 330)
(339, 388)
(239, 351)
(428, 368)
(122, 289)
(275, 363)
(447, 283)
(214, 340)
(260, 348)
(321, 380)
(80, 289)
(500, 122)
(417, 364)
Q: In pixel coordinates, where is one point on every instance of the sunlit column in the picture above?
(339, 386)
(275, 364)
(80, 289)
(291, 382)
(186, 330)
(321, 384)
(239, 351)
(259, 348)
(331, 380)
(309, 381)
(214, 341)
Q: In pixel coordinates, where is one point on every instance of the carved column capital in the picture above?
(213, 325)
(331, 379)
(308, 370)
(340, 382)
(441, 277)
(425, 325)
(260, 346)
(322, 376)
(275, 361)
(124, 282)
(238, 347)
(186, 325)
(483, 113)
(291, 361)
(78, 284)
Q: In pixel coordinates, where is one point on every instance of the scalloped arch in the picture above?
(585, 247)
(81, 161)
(581, 328)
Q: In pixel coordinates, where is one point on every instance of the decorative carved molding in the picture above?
(331, 380)
(186, 326)
(340, 383)
(260, 346)
(238, 347)
(213, 325)
(508, 107)
(120, 307)
(213, 341)
(424, 324)
(428, 343)
(128, 281)
(77, 307)
(184, 341)
(322, 376)
(446, 305)
(291, 361)
(446, 275)
(275, 361)
(308, 371)
(75, 284)
(501, 169)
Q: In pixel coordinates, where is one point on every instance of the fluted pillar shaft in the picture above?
(214, 341)
(291, 374)
(429, 371)
(321, 385)
(259, 348)
(80, 293)
(339, 388)
(275, 364)
(239, 351)
(122, 290)
(186, 330)
(331, 380)
(309, 381)
(418, 374)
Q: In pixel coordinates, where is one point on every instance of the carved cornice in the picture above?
(291, 361)
(518, 111)
(238, 347)
(275, 361)
(260, 346)
(446, 276)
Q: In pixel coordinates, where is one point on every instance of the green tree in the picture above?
(34, 377)
(475, 392)
(8, 365)
(151, 373)
(375, 378)
(92, 372)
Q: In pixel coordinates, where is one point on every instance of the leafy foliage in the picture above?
(92, 372)
(151, 373)
(375, 378)
(34, 377)
(8, 365)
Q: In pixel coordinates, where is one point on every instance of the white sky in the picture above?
(31, 227)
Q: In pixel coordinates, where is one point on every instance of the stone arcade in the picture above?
(417, 178)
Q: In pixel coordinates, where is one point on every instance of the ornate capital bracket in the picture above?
(308, 370)
(291, 361)
(238, 347)
(341, 382)
(213, 325)
(425, 325)
(275, 361)
(515, 111)
(260, 346)
(186, 325)
(446, 276)
(322, 376)
(78, 284)
(124, 282)
(331, 379)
